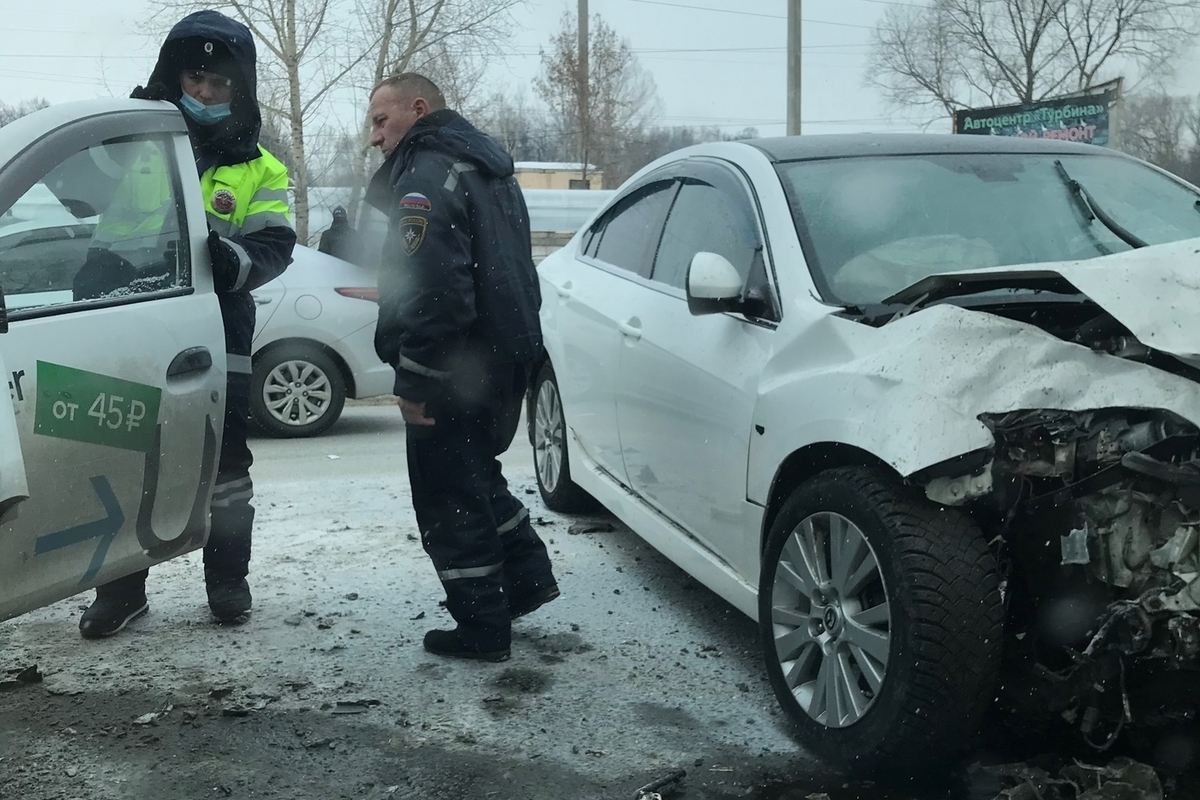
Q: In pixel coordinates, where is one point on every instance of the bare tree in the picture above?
(525, 130)
(447, 38)
(622, 95)
(1161, 129)
(955, 54)
(14, 112)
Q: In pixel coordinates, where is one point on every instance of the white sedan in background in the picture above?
(314, 337)
(314, 345)
(928, 408)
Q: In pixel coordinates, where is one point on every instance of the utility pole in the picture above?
(584, 89)
(793, 68)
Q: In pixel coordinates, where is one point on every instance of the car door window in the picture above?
(706, 218)
(629, 233)
(102, 225)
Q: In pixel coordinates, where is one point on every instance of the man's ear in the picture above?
(421, 106)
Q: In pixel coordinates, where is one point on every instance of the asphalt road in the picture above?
(326, 692)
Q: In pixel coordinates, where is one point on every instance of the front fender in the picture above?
(912, 392)
(897, 423)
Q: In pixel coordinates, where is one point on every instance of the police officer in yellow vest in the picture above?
(207, 67)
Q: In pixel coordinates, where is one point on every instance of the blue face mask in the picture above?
(205, 115)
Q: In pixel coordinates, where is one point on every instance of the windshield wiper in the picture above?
(1092, 211)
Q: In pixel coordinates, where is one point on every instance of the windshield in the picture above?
(872, 226)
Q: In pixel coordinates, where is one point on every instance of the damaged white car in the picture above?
(926, 407)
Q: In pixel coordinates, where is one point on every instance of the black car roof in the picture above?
(851, 145)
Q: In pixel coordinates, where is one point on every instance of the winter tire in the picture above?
(297, 390)
(881, 621)
(551, 464)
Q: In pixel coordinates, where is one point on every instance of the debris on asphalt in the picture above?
(655, 790)
(1123, 779)
(26, 676)
(353, 706)
(418, 616)
(153, 716)
(590, 527)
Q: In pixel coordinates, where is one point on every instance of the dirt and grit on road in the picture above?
(636, 672)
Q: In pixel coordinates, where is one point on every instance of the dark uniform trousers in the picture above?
(227, 553)
(477, 534)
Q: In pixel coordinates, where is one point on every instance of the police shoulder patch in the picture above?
(223, 201)
(415, 201)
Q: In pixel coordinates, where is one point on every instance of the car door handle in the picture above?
(261, 301)
(194, 359)
(564, 291)
(632, 328)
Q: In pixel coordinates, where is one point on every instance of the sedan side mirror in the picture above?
(713, 285)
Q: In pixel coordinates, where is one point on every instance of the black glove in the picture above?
(225, 261)
(102, 274)
(155, 91)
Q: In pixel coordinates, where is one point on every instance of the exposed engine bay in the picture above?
(1096, 518)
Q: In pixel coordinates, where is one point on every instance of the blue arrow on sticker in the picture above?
(103, 529)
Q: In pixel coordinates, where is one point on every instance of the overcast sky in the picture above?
(724, 66)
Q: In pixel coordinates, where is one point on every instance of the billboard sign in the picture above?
(1086, 118)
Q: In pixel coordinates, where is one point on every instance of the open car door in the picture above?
(114, 354)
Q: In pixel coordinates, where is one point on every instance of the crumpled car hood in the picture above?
(1153, 291)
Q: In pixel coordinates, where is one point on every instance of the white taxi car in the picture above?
(110, 429)
(926, 407)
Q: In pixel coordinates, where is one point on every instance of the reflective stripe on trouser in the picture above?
(462, 501)
(227, 554)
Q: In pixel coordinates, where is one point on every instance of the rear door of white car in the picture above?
(115, 395)
(592, 294)
(688, 384)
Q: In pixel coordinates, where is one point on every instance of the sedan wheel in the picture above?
(831, 620)
(297, 391)
(550, 457)
(881, 621)
(549, 440)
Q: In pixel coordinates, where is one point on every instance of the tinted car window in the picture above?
(631, 230)
(705, 218)
(873, 226)
(104, 224)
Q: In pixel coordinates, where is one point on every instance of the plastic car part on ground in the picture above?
(1122, 779)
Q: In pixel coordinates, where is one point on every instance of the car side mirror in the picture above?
(713, 285)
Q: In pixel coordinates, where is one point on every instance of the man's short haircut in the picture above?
(413, 84)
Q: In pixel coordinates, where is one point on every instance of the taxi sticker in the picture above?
(97, 409)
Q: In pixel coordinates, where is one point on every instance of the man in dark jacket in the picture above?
(338, 238)
(458, 320)
(207, 68)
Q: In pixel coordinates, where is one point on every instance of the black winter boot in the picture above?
(229, 600)
(456, 644)
(110, 613)
(520, 606)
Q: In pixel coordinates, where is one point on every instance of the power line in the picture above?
(750, 14)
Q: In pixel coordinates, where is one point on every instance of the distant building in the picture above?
(557, 175)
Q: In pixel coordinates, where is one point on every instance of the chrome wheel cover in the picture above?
(297, 393)
(831, 620)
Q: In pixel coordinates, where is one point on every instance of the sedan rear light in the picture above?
(371, 294)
